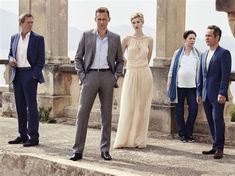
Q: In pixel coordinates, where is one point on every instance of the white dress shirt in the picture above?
(101, 53)
(21, 54)
(208, 58)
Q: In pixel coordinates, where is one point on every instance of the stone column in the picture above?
(170, 27)
(228, 7)
(51, 21)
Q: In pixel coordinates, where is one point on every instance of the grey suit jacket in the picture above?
(86, 53)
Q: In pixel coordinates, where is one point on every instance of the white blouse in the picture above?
(187, 71)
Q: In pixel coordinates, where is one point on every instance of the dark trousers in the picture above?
(25, 89)
(186, 128)
(215, 117)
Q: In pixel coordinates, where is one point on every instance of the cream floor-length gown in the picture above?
(136, 97)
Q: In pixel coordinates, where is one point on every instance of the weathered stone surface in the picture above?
(229, 7)
(170, 15)
(8, 104)
(37, 165)
(163, 156)
(225, 5)
(61, 90)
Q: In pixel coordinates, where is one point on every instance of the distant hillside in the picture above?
(74, 36)
(124, 30)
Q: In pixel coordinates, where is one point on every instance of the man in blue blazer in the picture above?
(26, 60)
(213, 82)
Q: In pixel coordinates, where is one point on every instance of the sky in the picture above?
(120, 12)
(9, 5)
(199, 13)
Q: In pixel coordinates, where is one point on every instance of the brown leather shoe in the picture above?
(210, 152)
(218, 154)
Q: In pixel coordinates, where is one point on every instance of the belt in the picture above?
(23, 68)
(101, 70)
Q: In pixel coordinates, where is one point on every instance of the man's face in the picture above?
(211, 39)
(27, 25)
(102, 20)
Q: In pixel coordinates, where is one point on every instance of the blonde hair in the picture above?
(137, 15)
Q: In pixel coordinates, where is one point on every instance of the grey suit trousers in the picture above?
(100, 83)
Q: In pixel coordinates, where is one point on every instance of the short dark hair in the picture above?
(217, 31)
(23, 16)
(102, 10)
(187, 33)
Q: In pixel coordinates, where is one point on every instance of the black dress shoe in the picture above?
(76, 156)
(106, 155)
(183, 139)
(218, 154)
(18, 140)
(210, 152)
(30, 143)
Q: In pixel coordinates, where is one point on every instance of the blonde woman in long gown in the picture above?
(137, 88)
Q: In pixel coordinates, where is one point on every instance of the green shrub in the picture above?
(232, 113)
(44, 115)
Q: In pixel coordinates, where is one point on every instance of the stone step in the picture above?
(34, 164)
(70, 112)
(163, 156)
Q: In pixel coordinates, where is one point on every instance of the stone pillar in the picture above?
(229, 7)
(170, 27)
(51, 21)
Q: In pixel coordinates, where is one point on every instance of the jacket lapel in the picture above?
(16, 41)
(30, 46)
(93, 46)
(213, 57)
(109, 45)
(204, 62)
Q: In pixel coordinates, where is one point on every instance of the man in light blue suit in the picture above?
(212, 88)
(26, 60)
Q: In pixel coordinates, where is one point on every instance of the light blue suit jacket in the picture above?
(215, 80)
(35, 55)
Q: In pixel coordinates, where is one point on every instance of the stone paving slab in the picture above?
(161, 157)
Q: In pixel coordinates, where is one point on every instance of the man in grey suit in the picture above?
(99, 63)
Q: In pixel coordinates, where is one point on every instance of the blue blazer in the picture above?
(35, 55)
(215, 80)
